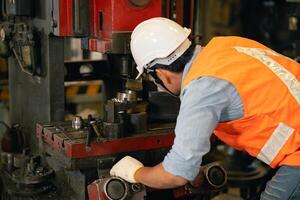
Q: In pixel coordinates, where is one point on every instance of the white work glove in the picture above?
(126, 168)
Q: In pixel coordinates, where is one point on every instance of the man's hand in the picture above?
(134, 171)
(126, 168)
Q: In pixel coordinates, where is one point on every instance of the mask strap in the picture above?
(159, 83)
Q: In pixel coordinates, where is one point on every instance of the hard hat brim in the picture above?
(140, 73)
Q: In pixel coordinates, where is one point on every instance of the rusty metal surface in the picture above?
(72, 143)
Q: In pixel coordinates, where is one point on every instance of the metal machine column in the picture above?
(38, 99)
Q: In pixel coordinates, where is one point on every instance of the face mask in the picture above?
(160, 85)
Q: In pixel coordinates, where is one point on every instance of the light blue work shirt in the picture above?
(205, 102)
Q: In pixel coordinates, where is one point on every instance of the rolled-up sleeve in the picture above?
(202, 103)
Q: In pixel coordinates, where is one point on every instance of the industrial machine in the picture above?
(47, 157)
(71, 159)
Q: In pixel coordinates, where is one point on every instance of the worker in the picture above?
(242, 91)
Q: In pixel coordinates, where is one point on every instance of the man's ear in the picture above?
(163, 75)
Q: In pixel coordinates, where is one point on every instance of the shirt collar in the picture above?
(189, 64)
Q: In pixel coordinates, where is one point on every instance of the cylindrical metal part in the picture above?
(138, 122)
(128, 95)
(211, 176)
(116, 189)
(136, 187)
(215, 175)
(77, 123)
(113, 130)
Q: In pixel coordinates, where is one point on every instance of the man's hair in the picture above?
(179, 64)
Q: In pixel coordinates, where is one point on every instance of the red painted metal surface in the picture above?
(106, 16)
(109, 16)
(119, 15)
(99, 45)
(77, 148)
(95, 192)
(139, 143)
(65, 18)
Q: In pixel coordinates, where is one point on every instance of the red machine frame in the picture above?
(106, 18)
(76, 148)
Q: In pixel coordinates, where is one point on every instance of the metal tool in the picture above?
(77, 123)
(90, 133)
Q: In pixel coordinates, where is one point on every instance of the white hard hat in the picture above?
(158, 40)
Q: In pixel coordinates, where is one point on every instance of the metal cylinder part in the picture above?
(215, 175)
(116, 189)
(138, 122)
(128, 95)
(113, 130)
(77, 123)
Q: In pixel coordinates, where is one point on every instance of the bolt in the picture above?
(2, 34)
(136, 187)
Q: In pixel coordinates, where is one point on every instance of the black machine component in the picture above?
(162, 106)
(24, 45)
(125, 114)
(17, 7)
(214, 176)
(83, 152)
(211, 179)
(25, 176)
(37, 59)
(247, 174)
(80, 18)
(18, 37)
(275, 23)
(115, 188)
(13, 140)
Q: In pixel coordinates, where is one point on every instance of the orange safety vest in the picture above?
(269, 86)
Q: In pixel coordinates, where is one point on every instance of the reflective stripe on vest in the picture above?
(284, 75)
(276, 141)
(269, 87)
(282, 133)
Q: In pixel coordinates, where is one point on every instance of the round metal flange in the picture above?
(42, 175)
(127, 95)
(139, 3)
(24, 191)
(216, 176)
(116, 189)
